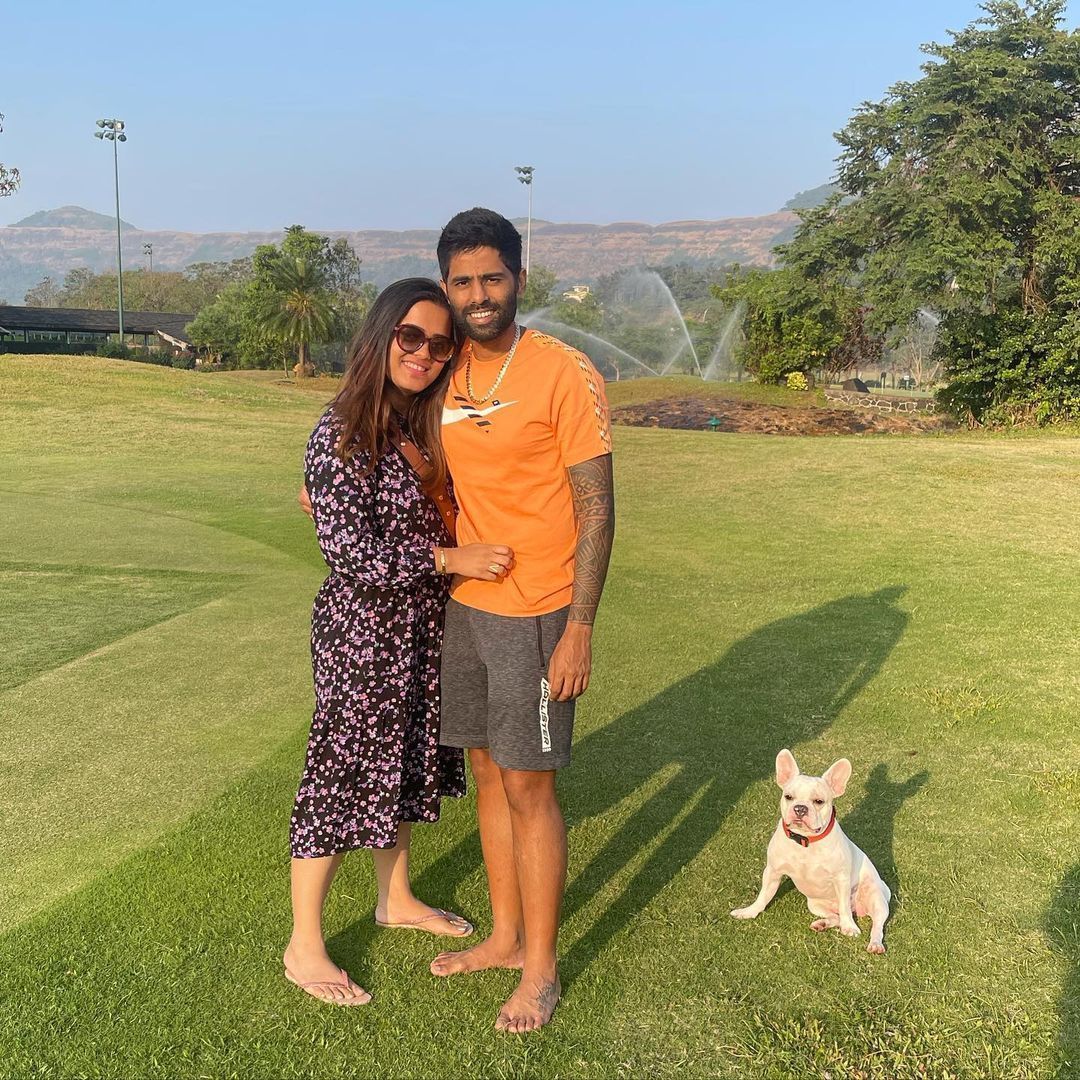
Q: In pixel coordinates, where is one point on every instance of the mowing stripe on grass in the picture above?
(908, 603)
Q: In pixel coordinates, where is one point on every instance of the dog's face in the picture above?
(806, 804)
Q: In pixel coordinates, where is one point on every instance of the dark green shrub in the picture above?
(1007, 369)
(113, 350)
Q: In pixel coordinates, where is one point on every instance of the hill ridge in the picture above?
(46, 244)
(71, 217)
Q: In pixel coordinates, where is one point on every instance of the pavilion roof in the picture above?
(89, 321)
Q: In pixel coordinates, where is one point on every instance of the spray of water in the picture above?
(603, 353)
(642, 301)
(722, 364)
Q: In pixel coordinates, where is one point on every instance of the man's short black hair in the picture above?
(477, 228)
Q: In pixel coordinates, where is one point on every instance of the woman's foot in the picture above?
(316, 974)
(489, 953)
(413, 914)
(530, 1006)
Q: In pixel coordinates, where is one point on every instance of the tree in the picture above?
(586, 313)
(795, 323)
(266, 305)
(233, 328)
(163, 290)
(538, 289)
(690, 282)
(350, 295)
(9, 177)
(46, 293)
(335, 264)
(212, 278)
(298, 308)
(964, 191)
(83, 288)
(915, 353)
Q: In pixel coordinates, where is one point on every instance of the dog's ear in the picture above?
(837, 775)
(786, 767)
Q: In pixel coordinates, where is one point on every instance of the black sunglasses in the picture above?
(412, 339)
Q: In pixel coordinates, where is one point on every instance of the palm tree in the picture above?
(298, 309)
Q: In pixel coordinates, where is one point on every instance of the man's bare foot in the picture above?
(414, 914)
(316, 974)
(487, 954)
(530, 1006)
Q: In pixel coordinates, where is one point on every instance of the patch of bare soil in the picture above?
(695, 414)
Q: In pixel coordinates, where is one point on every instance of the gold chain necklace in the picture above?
(502, 371)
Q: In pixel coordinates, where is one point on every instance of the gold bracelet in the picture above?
(442, 560)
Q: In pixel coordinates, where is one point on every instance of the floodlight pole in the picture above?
(119, 252)
(148, 251)
(113, 130)
(525, 175)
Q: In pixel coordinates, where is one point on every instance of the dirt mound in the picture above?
(695, 414)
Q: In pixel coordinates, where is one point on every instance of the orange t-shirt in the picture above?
(509, 457)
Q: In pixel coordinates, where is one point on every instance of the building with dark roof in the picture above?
(51, 327)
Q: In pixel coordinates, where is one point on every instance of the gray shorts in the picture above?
(495, 690)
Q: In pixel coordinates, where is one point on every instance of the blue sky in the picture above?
(396, 115)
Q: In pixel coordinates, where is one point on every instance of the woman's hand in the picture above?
(485, 562)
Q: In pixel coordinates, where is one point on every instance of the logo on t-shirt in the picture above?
(466, 410)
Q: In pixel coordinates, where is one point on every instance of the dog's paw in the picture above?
(821, 924)
(850, 931)
(744, 913)
(876, 947)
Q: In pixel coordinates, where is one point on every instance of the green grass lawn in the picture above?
(910, 603)
(639, 391)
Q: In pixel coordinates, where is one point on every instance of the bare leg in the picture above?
(306, 958)
(505, 947)
(539, 837)
(396, 903)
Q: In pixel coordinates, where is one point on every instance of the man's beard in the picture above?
(504, 317)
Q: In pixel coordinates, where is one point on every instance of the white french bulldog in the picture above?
(809, 847)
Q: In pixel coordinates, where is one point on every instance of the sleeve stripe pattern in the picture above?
(598, 406)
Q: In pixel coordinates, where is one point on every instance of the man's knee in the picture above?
(527, 790)
(485, 772)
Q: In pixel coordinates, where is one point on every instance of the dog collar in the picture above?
(806, 841)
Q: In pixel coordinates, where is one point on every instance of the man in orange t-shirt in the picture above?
(526, 436)
(509, 457)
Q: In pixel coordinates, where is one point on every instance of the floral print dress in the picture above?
(373, 757)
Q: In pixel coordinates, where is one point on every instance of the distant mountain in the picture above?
(807, 200)
(70, 217)
(50, 244)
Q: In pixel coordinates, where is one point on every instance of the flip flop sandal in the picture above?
(463, 927)
(311, 988)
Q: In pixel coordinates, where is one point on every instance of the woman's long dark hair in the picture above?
(362, 405)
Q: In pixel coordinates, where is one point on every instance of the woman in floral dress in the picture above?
(374, 764)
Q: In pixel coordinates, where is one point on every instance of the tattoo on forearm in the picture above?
(594, 506)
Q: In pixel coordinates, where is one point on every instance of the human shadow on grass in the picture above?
(1062, 927)
(698, 746)
(872, 824)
